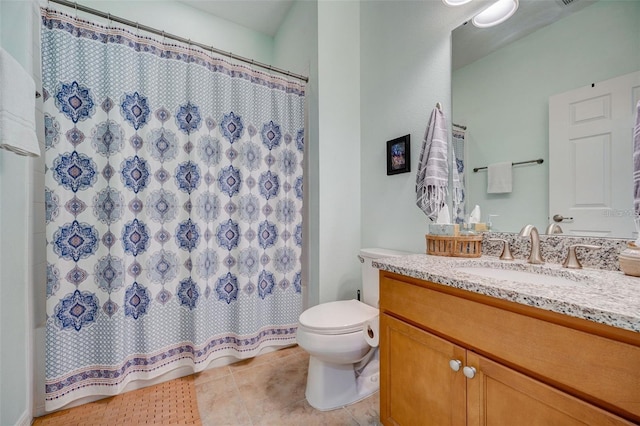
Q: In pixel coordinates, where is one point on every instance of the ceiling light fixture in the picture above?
(495, 14)
(455, 2)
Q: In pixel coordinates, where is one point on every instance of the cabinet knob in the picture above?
(469, 372)
(455, 364)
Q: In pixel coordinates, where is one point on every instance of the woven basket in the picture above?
(459, 246)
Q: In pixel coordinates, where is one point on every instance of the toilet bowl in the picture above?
(343, 366)
(334, 339)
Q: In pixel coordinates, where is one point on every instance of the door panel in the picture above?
(590, 157)
(592, 179)
(498, 390)
(418, 387)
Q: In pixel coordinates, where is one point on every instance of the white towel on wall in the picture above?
(499, 178)
(17, 108)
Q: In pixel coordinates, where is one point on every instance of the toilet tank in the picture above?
(370, 281)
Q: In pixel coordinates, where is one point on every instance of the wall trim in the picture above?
(25, 419)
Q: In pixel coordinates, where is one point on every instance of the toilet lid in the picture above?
(341, 317)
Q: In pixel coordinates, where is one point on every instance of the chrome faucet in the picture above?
(535, 256)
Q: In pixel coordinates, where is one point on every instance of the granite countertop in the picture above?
(606, 297)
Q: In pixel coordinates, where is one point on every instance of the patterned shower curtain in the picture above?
(174, 199)
(458, 133)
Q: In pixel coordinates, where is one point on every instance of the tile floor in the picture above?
(269, 390)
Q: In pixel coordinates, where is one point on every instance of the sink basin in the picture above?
(513, 275)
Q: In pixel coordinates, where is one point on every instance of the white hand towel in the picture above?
(17, 108)
(499, 178)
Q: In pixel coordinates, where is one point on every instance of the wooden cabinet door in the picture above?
(500, 396)
(418, 386)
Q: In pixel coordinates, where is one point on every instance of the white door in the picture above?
(591, 157)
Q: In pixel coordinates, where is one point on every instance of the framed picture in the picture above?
(399, 155)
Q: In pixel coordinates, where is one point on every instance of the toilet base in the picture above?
(331, 386)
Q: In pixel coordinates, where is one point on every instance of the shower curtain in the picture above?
(458, 133)
(173, 207)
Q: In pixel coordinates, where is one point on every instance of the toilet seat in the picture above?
(340, 317)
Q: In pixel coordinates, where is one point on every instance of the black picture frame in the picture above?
(399, 155)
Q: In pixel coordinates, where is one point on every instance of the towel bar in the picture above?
(539, 161)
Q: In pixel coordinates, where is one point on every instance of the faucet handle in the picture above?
(572, 261)
(506, 249)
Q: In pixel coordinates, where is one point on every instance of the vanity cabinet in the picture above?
(416, 378)
(525, 366)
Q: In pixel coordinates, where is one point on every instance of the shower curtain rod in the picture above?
(152, 30)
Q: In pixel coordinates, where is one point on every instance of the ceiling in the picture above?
(471, 43)
(264, 16)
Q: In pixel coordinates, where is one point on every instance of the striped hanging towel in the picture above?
(432, 180)
(636, 162)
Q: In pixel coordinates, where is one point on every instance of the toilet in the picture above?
(343, 365)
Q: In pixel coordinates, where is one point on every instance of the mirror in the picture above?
(502, 78)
